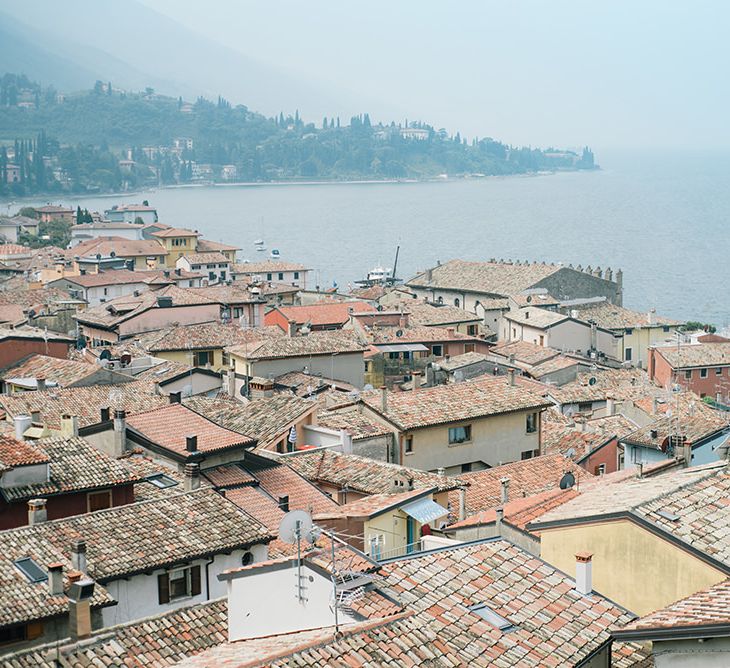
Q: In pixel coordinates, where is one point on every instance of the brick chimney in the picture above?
(78, 555)
(416, 385)
(120, 432)
(291, 328)
(37, 512)
(55, 578)
(262, 388)
(584, 573)
(192, 477)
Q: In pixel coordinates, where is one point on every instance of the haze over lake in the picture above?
(661, 217)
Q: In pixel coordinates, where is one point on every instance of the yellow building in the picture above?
(386, 525)
(654, 539)
(177, 242)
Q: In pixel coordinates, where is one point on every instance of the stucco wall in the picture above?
(631, 566)
(347, 367)
(710, 653)
(158, 318)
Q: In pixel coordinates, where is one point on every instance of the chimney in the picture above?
(429, 275)
(384, 399)
(650, 316)
(37, 511)
(174, 397)
(178, 272)
(441, 471)
(231, 382)
(284, 503)
(120, 432)
(69, 425)
(610, 406)
(192, 477)
(104, 415)
(40, 384)
(505, 489)
(498, 521)
(594, 336)
(639, 470)
(55, 578)
(462, 503)
(35, 417)
(78, 555)
(450, 332)
(511, 373)
(79, 606)
(584, 573)
(687, 453)
(191, 443)
(654, 405)
(291, 328)
(22, 423)
(416, 380)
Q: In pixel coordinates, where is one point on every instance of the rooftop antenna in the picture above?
(395, 264)
(294, 526)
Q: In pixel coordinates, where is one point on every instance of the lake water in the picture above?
(662, 218)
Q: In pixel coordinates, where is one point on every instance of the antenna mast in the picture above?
(395, 264)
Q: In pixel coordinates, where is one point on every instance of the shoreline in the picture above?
(68, 197)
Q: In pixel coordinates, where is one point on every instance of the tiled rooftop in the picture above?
(210, 257)
(356, 423)
(460, 361)
(169, 426)
(324, 313)
(529, 353)
(263, 419)
(122, 247)
(139, 537)
(267, 267)
(306, 384)
(63, 372)
(610, 316)
(695, 428)
(709, 607)
(482, 397)
(369, 506)
(171, 232)
(204, 336)
(118, 277)
(74, 465)
(205, 245)
(423, 313)
(532, 316)
(696, 355)
(316, 343)
(493, 278)
(526, 478)
(84, 402)
(617, 383)
(416, 334)
(19, 453)
(363, 474)
(572, 443)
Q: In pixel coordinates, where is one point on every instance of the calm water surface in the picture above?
(662, 218)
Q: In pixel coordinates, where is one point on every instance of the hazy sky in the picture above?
(612, 74)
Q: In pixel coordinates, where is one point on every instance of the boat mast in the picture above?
(395, 264)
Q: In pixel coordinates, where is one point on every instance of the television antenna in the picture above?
(294, 526)
(567, 481)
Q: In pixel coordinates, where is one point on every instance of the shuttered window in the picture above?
(180, 583)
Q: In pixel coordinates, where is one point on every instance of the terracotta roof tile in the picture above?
(609, 316)
(316, 343)
(267, 267)
(324, 313)
(210, 257)
(63, 372)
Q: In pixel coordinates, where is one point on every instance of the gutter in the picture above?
(692, 632)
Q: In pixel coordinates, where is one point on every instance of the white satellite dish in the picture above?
(295, 525)
(570, 453)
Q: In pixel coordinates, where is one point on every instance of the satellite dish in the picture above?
(529, 299)
(126, 359)
(592, 380)
(570, 453)
(567, 481)
(105, 355)
(399, 333)
(295, 525)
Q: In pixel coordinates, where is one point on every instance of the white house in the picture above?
(214, 266)
(129, 213)
(289, 273)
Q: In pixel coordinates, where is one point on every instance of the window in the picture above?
(628, 353)
(531, 423)
(161, 480)
(202, 357)
(527, 454)
(211, 275)
(585, 406)
(408, 447)
(440, 300)
(542, 340)
(466, 468)
(471, 330)
(21, 632)
(459, 434)
(469, 347)
(296, 275)
(665, 328)
(178, 583)
(718, 371)
(99, 500)
(491, 617)
(393, 356)
(226, 358)
(457, 303)
(514, 332)
(599, 470)
(703, 373)
(223, 275)
(376, 543)
(247, 559)
(281, 276)
(106, 291)
(268, 277)
(629, 331)
(688, 374)
(437, 350)
(28, 567)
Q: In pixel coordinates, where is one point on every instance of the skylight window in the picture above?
(28, 567)
(161, 480)
(672, 517)
(491, 617)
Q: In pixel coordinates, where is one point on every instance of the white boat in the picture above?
(275, 254)
(258, 242)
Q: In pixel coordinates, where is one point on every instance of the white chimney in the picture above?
(37, 512)
(192, 477)
(231, 382)
(584, 573)
(40, 384)
(511, 373)
(610, 406)
(650, 316)
(78, 555)
(69, 425)
(498, 522)
(22, 424)
(462, 503)
(505, 489)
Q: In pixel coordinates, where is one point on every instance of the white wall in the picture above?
(138, 597)
(712, 653)
(347, 367)
(265, 603)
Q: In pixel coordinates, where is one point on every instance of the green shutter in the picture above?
(195, 580)
(163, 588)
